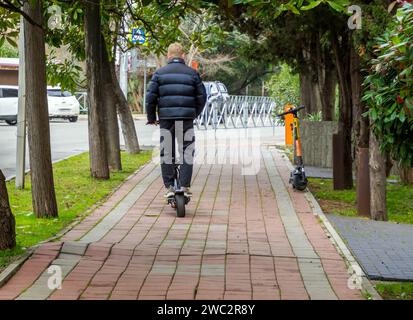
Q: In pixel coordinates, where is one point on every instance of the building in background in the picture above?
(9, 71)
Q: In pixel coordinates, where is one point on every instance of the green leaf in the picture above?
(312, 5)
(292, 8)
(336, 6)
(373, 114)
(402, 116)
(12, 42)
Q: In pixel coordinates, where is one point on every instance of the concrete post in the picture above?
(21, 116)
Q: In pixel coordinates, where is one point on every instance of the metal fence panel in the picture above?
(239, 112)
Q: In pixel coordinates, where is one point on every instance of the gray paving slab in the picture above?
(73, 247)
(312, 272)
(40, 290)
(383, 249)
(109, 221)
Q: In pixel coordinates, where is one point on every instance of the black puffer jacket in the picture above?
(176, 92)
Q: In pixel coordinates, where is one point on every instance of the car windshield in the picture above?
(9, 93)
(58, 93)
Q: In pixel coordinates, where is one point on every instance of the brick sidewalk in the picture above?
(244, 237)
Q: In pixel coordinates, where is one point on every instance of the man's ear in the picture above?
(183, 56)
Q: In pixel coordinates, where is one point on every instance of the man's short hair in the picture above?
(175, 50)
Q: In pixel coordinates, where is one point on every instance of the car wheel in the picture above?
(73, 119)
(11, 122)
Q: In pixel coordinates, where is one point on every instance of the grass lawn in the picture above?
(343, 202)
(76, 192)
(395, 290)
(400, 209)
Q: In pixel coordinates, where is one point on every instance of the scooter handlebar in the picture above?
(291, 111)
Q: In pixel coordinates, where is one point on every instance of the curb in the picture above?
(341, 246)
(338, 241)
(27, 171)
(135, 116)
(122, 148)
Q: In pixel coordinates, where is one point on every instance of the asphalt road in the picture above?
(68, 139)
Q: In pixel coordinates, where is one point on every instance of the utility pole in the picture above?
(123, 73)
(21, 115)
(144, 84)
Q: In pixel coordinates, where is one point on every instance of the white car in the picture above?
(223, 90)
(62, 104)
(8, 104)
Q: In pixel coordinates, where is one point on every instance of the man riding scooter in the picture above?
(176, 96)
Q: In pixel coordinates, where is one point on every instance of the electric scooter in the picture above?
(298, 178)
(178, 201)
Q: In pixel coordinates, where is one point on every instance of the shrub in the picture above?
(389, 87)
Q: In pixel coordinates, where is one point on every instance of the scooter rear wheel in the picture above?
(180, 205)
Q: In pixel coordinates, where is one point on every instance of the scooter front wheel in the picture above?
(180, 205)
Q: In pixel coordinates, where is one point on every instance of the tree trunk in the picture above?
(406, 175)
(361, 137)
(111, 117)
(328, 95)
(99, 168)
(377, 181)
(318, 78)
(343, 61)
(326, 77)
(43, 192)
(7, 222)
(306, 92)
(327, 85)
(125, 116)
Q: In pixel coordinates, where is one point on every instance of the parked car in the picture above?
(8, 104)
(216, 92)
(223, 90)
(212, 91)
(62, 104)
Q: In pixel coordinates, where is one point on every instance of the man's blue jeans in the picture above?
(183, 132)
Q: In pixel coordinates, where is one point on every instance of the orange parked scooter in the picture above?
(297, 178)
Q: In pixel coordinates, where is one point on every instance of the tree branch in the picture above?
(248, 80)
(6, 4)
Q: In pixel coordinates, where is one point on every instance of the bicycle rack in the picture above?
(239, 112)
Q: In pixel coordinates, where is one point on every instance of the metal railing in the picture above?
(239, 112)
(82, 98)
(235, 112)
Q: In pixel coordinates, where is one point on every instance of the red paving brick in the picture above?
(231, 245)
